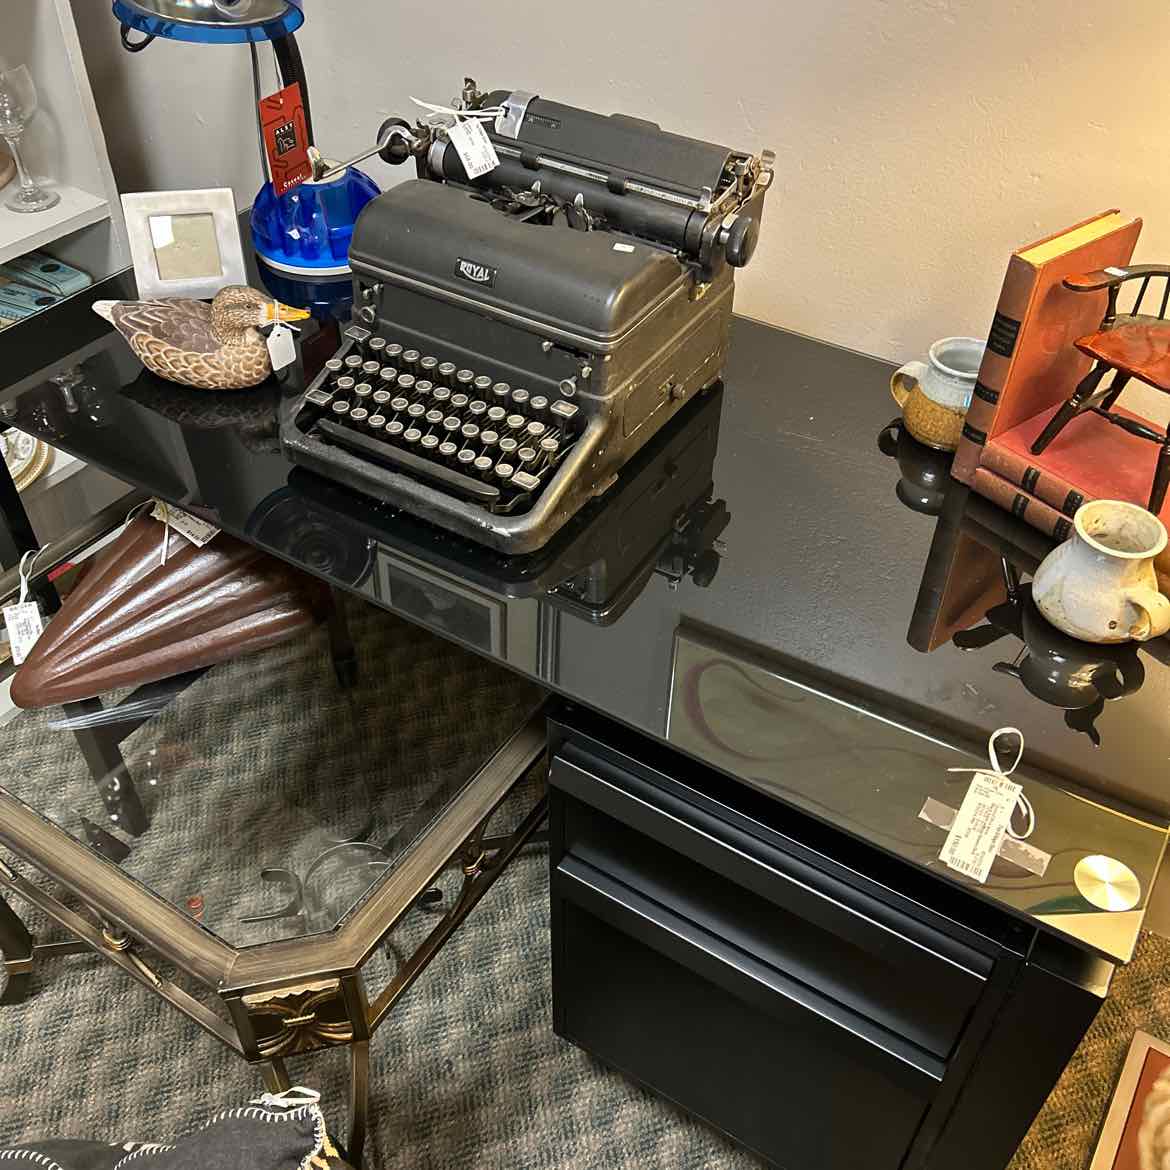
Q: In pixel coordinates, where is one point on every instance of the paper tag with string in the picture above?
(197, 531)
(468, 136)
(281, 345)
(985, 816)
(23, 620)
(474, 147)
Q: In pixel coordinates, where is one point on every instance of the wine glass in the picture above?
(18, 104)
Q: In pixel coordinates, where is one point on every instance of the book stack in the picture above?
(1032, 365)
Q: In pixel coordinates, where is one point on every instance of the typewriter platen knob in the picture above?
(739, 236)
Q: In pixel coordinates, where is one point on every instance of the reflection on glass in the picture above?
(185, 247)
(278, 788)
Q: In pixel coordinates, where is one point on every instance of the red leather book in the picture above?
(1031, 362)
(1012, 498)
(1091, 460)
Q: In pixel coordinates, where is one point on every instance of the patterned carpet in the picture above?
(467, 1072)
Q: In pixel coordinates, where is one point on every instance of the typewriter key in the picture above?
(428, 365)
(392, 352)
(465, 457)
(537, 405)
(549, 445)
(497, 414)
(394, 428)
(362, 391)
(410, 358)
(380, 397)
(358, 415)
(489, 438)
(334, 366)
(465, 377)
(353, 364)
(562, 409)
(483, 383)
(452, 423)
(416, 410)
(525, 456)
(520, 398)
(482, 464)
(405, 383)
(376, 346)
(399, 403)
(515, 422)
(447, 449)
(434, 417)
(376, 422)
(446, 371)
(525, 482)
(388, 375)
(505, 470)
(469, 431)
(412, 434)
(340, 408)
(535, 429)
(320, 398)
(429, 443)
(441, 394)
(459, 401)
(507, 446)
(423, 387)
(370, 369)
(344, 384)
(476, 408)
(501, 391)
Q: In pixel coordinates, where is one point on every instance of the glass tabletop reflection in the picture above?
(279, 791)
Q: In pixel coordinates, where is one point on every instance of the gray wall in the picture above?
(918, 141)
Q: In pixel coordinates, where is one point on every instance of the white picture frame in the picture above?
(184, 243)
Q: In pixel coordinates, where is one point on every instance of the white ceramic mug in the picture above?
(1100, 585)
(934, 394)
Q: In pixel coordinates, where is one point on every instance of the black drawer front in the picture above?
(800, 1080)
(841, 943)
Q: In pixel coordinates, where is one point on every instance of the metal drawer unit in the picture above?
(811, 1014)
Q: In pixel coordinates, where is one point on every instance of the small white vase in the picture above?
(1100, 585)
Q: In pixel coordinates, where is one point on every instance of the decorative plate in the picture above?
(25, 457)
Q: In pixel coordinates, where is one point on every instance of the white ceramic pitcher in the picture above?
(1100, 585)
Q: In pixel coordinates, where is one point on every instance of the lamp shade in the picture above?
(212, 21)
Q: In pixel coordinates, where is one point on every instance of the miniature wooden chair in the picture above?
(1132, 345)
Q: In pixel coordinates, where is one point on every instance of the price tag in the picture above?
(980, 825)
(282, 349)
(286, 138)
(24, 628)
(197, 531)
(474, 147)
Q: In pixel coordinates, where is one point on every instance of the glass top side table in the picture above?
(289, 817)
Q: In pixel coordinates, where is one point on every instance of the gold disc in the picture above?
(1107, 883)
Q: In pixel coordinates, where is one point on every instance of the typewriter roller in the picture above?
(520, 336)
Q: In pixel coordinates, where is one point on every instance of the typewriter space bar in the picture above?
(380, 452)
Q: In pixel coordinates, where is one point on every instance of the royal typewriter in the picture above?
(520, 335)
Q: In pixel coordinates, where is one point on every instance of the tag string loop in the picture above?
(1023, 804)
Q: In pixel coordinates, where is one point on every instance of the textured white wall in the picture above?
(917, 141)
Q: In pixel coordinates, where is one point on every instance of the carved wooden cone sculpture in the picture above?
(134, 620)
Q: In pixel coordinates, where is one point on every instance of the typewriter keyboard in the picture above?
(485, 441)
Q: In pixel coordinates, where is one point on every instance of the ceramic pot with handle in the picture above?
(1100, 585)
(934, 394)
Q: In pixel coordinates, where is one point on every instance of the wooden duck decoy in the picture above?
(214, 346)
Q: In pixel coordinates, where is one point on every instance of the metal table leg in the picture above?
(359, 1099)
(276, 1078)
(103, 757)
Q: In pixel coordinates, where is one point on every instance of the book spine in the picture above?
(1018, 285)
(1039, 482)
(1022, 504)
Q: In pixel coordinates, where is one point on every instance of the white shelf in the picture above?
(21, 232)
